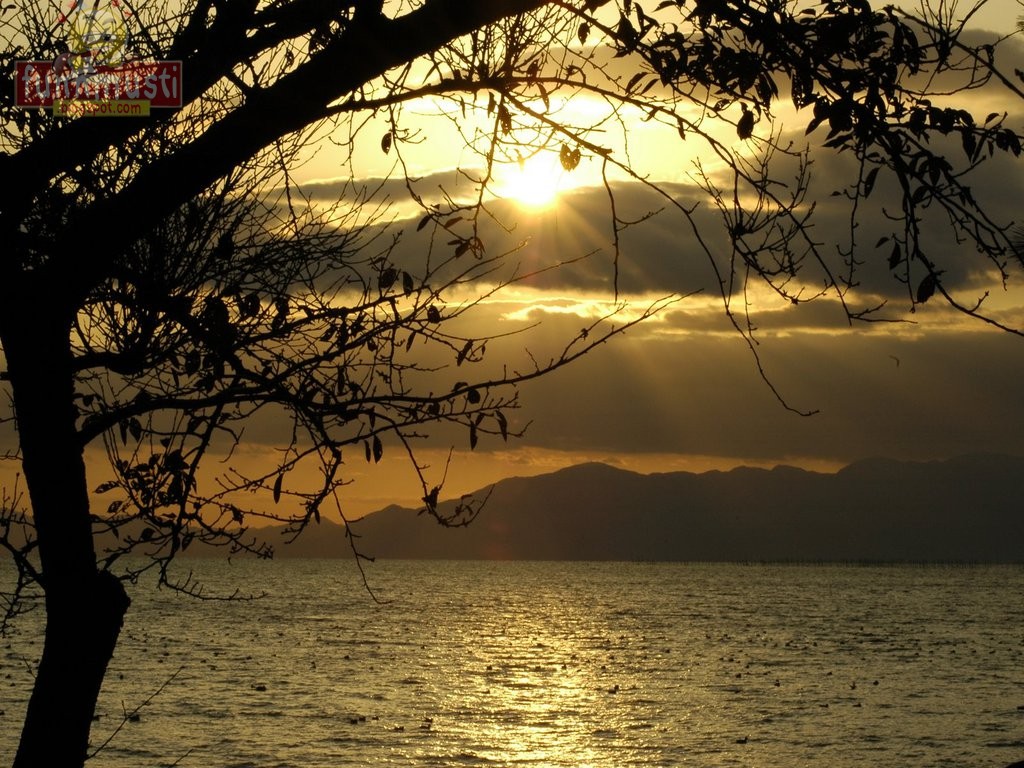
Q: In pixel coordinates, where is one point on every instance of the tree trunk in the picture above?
(84, 607)
(82, 626)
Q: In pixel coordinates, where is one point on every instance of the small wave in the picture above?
(471, 758)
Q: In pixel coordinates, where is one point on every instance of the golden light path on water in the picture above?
(536, 689)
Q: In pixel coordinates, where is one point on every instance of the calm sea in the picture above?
(563, 664)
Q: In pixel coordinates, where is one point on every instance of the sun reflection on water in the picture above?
(547, 682)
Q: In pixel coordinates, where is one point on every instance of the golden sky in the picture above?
(682, 391)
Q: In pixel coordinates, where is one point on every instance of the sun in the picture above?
(534, 183)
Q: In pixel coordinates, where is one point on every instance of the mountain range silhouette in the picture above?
(966, 509)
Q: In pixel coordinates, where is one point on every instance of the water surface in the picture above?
(564, 664)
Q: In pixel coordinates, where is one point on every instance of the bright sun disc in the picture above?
(533, 184)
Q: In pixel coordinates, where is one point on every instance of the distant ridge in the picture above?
(964, 509)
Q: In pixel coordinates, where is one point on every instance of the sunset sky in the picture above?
(683, 390)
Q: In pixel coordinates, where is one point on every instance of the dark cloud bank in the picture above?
(928, 387)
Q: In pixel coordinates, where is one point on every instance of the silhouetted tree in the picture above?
(164, 281)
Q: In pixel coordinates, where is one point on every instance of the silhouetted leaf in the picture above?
(766, 88)
(822, 108)
(433, 314)
(472, 436)
(225, 246)
(277, 487)
(423, 222)
(583, 33)
(917, 120)
(544, 95)
(970, 142)
(473, 396)
(869, 181)
(502, 425)
(927, 288)
(1012, 142)
(282, 308)
(135, 428)
(193, 362)
(569, 157)
(505, 119)
(387, 278)
(109, 485)
(378, 449)
(176, 490)
(627, 34)
(407, 283)
(216, 317)
(174, 462)
(745, 126)
(431, 498)
(385, 142)
(249, 306)
(895, 257)
(840, 116)
(650, 84)
(466, 349)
